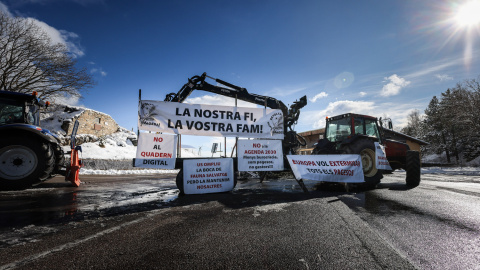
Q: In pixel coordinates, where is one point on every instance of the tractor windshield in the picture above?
(366, 126)
(371, 128)
(11, 111)
(338, 130)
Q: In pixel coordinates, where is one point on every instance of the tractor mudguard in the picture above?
(35, 130)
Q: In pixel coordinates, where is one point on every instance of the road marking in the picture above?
(76, 242)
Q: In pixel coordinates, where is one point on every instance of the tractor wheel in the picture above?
(24, 161)
(366, 149)
(412, 167)
(49, 154)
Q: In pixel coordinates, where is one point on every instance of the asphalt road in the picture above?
(140, 222)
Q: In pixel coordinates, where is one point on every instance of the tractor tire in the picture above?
(179, 182)
(24, 161)
(366, 149)
(412, 167)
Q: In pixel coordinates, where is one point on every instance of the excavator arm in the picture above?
(291, 114)
(291, 140)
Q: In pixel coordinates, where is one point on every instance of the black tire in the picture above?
(60, 162)
(366, 149)
(49, 161)
(24, 161)
(412, 167)
(179, 182)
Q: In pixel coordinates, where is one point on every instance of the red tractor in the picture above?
(356, 134)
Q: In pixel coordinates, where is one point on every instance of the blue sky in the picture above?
(383, 58)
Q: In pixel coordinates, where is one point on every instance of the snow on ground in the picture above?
(471, 171)
(118, 146)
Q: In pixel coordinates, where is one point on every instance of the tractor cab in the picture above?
(343, 128)
(17, 108)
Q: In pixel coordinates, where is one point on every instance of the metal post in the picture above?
(139, 100)
(179, 146)
(236, 138)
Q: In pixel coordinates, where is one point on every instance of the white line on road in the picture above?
(76, 242)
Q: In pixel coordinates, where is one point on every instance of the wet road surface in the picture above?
(435, 225)
(270, 225)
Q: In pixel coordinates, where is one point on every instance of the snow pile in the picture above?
(117, 147)
(470, 171)
(56, 115)
(114, 146)
(442, 159)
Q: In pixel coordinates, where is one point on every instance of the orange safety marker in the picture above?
(75, 162)
(74, 170)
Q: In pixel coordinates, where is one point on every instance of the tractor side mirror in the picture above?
(390, 125)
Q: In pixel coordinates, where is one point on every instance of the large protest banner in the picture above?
(381, 157)
(327, 168)
(260, 155)
(207, 175)
(156, 151)
(210, 120)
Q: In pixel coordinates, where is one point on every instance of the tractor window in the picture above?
(338, 130)
(32, 113)
(359, 125)
(371, 128)
(11, 112)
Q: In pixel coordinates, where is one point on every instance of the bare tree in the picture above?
(30, 61)
(414, 125)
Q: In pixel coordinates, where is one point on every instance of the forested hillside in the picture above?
(451, 123)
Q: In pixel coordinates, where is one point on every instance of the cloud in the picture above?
(394, 86)
(70, 100)
(217, 99)
(69, 39)
(339, 107)
(282, 92)
(319, 96)
(443, 77)
(5, 10)
(98, 71)
(398, 112)
(362, 94)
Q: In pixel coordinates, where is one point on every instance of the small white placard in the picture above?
(207, 175)
(260, 155)
(156, 151)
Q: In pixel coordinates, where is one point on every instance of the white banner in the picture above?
(156, 151)
(207, 175)
(210, 120)
(260, 155)
(327, 168)
(381, 157)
